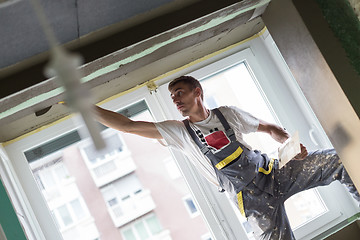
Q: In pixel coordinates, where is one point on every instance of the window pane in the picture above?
(191, 205)
(141, 230)
(61, 172)
(127, 185)
(65, 215)
(78, 209)
(305, 206)
(238, 88)
(112, 202)
(129, 235)
(153, 224)
(126, 182)
(48, 179)
(113, 143)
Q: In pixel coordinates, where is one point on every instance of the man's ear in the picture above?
(197, 92)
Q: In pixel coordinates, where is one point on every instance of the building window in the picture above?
(121, 190)
(77, 209)
(65, 202)
(127, 200)
(65, 215)
(114, 145)
(153, 224)
(51, 175)
(145, 228)
(190, 206)
(69, 213)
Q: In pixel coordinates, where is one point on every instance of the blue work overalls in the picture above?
(259, 188)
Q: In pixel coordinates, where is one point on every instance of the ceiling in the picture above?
(106, 34)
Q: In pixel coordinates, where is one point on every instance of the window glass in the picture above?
(153, 224)
(306, 206)
(239, 88)
(61, 172)
(77, 209)
(48, 179)
(190, 205)
(128, 185)
(129, 235)
(113, 145)
(129, 180)
(112, 202)
(141, 230)
(65, 215)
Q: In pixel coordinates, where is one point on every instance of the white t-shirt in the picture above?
(211, 132)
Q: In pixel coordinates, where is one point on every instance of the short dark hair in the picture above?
(190, 81)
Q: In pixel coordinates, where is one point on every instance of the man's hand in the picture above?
(303, 154)
(278, 133)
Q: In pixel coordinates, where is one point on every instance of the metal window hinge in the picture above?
(152, 87)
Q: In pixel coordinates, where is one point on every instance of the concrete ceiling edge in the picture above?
(50, 84)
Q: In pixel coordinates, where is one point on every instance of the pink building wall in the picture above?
(91, 193)
(166, 192)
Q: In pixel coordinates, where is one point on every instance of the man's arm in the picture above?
(280, 134)
(275, 131)
(120, 122)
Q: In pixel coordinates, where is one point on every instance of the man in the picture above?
(212, 140)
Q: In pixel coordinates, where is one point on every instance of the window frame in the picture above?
(257, 54)
(221, 218)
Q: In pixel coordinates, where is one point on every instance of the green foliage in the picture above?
(346, 27)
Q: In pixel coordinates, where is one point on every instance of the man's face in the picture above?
(184, 98)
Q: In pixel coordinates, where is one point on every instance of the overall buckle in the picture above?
(230, 133)
(205, 150)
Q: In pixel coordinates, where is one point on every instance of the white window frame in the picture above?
(39, 216)
(221, 218)
(265, 62)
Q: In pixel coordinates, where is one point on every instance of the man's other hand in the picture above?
(303, 153)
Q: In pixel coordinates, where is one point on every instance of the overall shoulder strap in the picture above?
(221, 117)
(204, 149)
(229, 132)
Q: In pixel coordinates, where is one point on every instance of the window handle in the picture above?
(313, 137)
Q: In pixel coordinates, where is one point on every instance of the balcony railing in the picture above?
(131, 208)
(61, 192)
(113, 167)
(83, 230)
(163, 235)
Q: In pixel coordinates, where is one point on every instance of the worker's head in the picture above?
(192, 82)
(187, 94)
